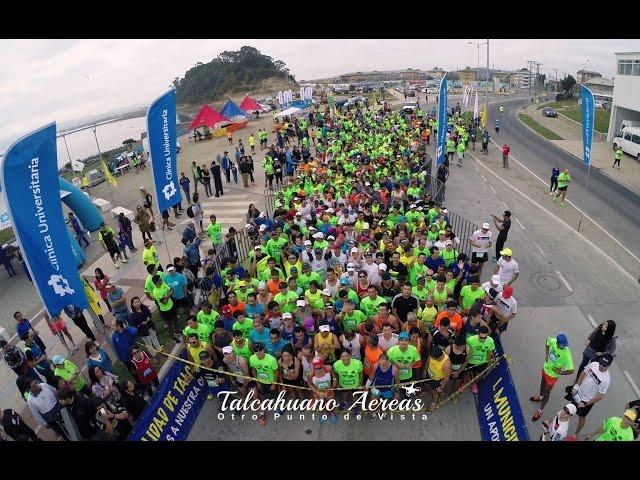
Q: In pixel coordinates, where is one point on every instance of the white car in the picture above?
(410, 107)
(264, 108)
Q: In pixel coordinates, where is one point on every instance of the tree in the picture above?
(128, 142)
(567, 83)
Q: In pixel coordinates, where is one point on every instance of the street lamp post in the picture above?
(478, 45)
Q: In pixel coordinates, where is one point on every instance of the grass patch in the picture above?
(561, 105)
(535, 126)
(601, 122)
(6, 235)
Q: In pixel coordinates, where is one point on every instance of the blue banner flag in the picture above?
(497, 405)
(588, 115)
(161, 129)
(174, 407)
(29, 176)
(442, 120)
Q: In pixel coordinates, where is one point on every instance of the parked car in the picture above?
(549, 112)
(410, 107)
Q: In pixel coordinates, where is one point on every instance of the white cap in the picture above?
(263, 228)
(354, 250)
(287, 315)
(263, 215)
(444, 210)
(318, 235)
(495, 279)
(330, 210)
(257, 247)
(351, 269)
(141, 187)
(413, 205)
(486, 226)
(327, 292)
(367, 184)
(313, 229)
(307, 242)
(227, 349)
(351, 265)
(248, 225)
(324, 328)
(171, 269)
(572, 408)
(301, 303)
(331, 237)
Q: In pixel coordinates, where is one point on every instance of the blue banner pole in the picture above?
(588, 118)
(29, 178)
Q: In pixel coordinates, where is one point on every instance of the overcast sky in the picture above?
(64, 80)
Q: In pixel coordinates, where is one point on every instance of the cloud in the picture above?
(45, 80)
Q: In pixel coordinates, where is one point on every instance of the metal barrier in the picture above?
(463, 229)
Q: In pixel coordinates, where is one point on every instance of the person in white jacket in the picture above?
(44, 406)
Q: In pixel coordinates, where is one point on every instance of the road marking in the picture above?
(483, 178)
(505, 204)
(633, 384)
(564, 280)
(493, 189)
(476, 167)
(561, 222)
(592, 321)
(573, 205)
(538, 247)
(519, 223)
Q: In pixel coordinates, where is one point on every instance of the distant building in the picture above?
(626, 92)
(585, 75)
(408, 74)
(522, 78)
(468, 74)
(600, 85)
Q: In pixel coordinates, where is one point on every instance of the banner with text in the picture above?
(174, 407)
(442, 120)
(31, 189)
(497, 405)
(588, 114)
(161, 129)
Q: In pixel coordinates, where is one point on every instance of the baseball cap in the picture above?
(313, 229)
(328, 305)
(383, 267)
(571, 408)
(248, 226)
(141, 187)
(57, 360)
(413, 205)
(354, 250)
(631, 414)
(307, 242)
(287, 314)
(171, 268)
(385, 276)
(318, 362)
(257, 247)
(331, 237)
(262, 228)
(403, 336)
(258, 346)
(507, 252)
(605, 360)
(507, 292)
(293, 270)
(204, 354)
(351, 269)
(263, 215)
(495, 279)
(301, 303)
(486, 226)
(326, 291)
(324, 328)
(442, 232)
(344, 281)
(330, 210)
(562, 340)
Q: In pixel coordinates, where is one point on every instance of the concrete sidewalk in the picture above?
(601, 152)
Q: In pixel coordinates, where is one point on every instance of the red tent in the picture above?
(207, 117)
(249, 104)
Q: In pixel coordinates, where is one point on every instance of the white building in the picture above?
(626, 92)
(522, 78)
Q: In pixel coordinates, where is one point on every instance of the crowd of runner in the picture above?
(356, 280)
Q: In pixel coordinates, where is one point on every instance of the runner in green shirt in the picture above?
(350, 317)
(214, 231)
(201, 329)
(616, 429)
(404, 356)
(563, 182)
(349, 371)
(470, 293)
(206, 315)
(558, 362)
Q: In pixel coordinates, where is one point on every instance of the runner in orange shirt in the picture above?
(372, 353)
(453, 316)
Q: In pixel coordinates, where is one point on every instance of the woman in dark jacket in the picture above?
(601, 341)
(140, 318)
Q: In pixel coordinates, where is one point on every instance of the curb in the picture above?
(622, 183)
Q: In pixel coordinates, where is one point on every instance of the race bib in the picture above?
(405, 372)
(147, 372)
(263, 376)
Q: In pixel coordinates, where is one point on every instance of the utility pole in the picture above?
(556, 70)
(530, 68)
(486, 91)
(538, 64)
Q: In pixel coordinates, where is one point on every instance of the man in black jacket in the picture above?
(14, 426)
(216, 172)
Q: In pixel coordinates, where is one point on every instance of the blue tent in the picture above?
(301, 104)
(231, 110)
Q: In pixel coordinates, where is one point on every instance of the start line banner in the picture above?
(174, 407)
(497, 405)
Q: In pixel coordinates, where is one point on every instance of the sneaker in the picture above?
(209, 396)
(75, 347)
(125, 260)
(454, 399)
(536, 416)
(562, 204)
(262, 419)
(117, 266)
(474, 389)
(535, 398)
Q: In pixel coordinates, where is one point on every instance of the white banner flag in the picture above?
(309, 93)
(475, 107)
(280, 98)
(301, 93)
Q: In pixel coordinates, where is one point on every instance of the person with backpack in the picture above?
(195, 211)
(108, 238)
(147, 200)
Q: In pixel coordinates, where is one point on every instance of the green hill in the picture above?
(227, 74)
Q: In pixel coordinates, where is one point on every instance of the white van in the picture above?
(629, 140)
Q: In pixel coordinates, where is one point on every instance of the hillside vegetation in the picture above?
(228, 74)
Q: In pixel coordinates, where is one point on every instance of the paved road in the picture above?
(608, 203)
